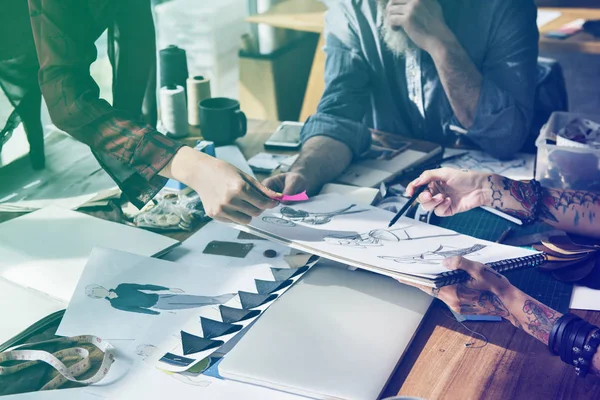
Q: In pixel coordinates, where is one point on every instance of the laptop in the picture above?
(336, 334)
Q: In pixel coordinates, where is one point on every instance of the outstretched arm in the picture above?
(490, 293)
(451, 191)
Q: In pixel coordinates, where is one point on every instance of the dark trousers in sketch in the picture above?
(185, 301)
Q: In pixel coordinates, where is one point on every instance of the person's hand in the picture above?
(482, 295)
(176, 290)
(422, 20)
(450, 191)
(229, 195)
(288, 183)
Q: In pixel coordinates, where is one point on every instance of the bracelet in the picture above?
(536, 187)
(557, 332)
(577, 330)
(590, 348)
(580, 343)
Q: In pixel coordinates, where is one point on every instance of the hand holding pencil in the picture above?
(450, 191)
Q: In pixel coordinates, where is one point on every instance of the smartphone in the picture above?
(286, 137)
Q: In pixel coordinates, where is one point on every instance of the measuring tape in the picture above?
(33, 357)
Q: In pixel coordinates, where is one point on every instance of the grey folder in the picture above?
(337, 334)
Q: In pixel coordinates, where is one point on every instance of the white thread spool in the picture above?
(173, 111)
(198, 89)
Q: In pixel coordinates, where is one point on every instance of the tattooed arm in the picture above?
(490, 293)
(451, 191)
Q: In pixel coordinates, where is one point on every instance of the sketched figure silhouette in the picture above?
(290, 216)
(436, 256)
(377, 237)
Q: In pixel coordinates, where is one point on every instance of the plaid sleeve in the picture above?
(132, 152)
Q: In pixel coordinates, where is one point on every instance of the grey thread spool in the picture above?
(173, 111)
(198, 89)
(173, 66)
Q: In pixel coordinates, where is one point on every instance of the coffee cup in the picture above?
(221, 120)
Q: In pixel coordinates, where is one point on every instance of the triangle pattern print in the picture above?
(266, 287)
(212, 329)
(194, 344)
(283, 274)
(253, 300)
(230, 315)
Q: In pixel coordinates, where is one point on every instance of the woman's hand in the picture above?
(482, 295)
(451, 191)
(227, 194)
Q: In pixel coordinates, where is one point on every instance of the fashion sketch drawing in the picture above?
(435, 256)
(377, 237)
(147, 299)
(290, 216)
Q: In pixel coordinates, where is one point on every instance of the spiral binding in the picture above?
(460, 276)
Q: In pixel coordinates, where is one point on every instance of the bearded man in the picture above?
(429, 69)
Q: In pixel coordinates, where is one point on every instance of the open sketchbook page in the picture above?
(333, 227)
(520, 167)
(46, 250)
(22, 307)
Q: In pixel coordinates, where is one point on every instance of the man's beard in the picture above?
(396, 40)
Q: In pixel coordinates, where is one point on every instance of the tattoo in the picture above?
(480, 302)
(540, 319)
(562, 200)
(524, 194)
(496, 194)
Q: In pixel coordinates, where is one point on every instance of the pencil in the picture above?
(504, 235)
(407, 205)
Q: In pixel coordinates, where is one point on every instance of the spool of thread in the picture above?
(173, 111)
(173, 66)
(198, 89)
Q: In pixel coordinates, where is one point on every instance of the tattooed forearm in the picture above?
(480, 302)
(540, 319)
(570, 210)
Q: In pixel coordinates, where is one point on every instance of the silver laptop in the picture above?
(336, 334)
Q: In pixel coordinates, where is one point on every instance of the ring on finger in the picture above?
(435, 292)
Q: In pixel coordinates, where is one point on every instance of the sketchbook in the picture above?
(333, 227)
(372, 171)
(42, 256)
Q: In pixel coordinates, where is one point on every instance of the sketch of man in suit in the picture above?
(142, 299)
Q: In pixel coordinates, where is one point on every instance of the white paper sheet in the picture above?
(546, 16)
(143, 381)
(71, 178)
(335, 228)
(191, 250)
(584, 298)
(111, 268)
(370, 173)
(234, 156)
(519, 168)
(360, 195)
(22, 307)
(163, 304)
(47, 250)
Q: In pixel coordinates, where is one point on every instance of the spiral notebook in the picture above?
(333, 227)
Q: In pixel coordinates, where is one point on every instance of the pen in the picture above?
(407, 205)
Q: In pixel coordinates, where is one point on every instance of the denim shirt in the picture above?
(366, 86)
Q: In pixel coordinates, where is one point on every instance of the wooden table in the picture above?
(437, 365)
(308, 15)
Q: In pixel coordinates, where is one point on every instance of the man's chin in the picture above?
(396, 40)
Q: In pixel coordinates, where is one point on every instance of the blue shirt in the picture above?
(366, 86)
